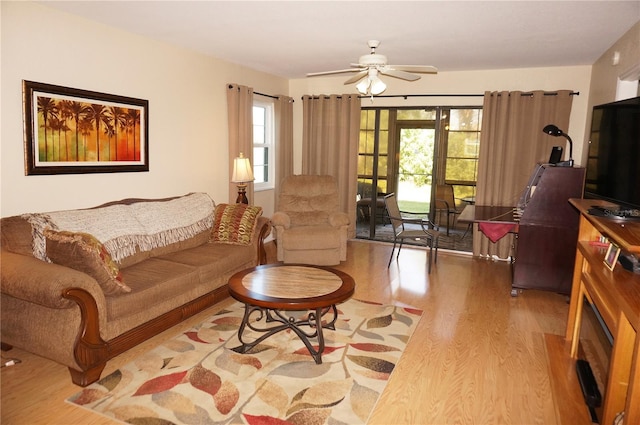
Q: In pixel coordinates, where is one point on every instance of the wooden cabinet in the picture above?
(616, 294)
(548, 230)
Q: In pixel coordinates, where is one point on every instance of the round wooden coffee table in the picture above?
(269, 291)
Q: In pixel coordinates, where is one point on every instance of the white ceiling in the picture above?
(292, 38)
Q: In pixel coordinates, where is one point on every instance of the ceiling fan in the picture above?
(370, 66)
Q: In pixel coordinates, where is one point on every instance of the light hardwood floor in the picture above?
(478, 356)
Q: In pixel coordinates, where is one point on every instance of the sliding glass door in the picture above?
(408, 152)
(396, 155)
(373, 170)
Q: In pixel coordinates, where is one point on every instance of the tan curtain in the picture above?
(240, 119)
(283, 110)
(330, 131)
(511, 144)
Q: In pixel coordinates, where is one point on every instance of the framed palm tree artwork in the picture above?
(73, 131)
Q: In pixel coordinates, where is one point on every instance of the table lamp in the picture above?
(242, 174)
(553, 130)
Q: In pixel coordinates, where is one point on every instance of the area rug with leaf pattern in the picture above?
(196, 378)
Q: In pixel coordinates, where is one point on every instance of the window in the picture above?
(373, 153)
(263, 145)
(463, 145)
(461, 148)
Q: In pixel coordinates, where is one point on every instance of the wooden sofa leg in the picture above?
(87, 377)
(90, 351)
(262, 252)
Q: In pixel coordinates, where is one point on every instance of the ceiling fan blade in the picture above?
(400, 74)
(360, 75)
(339, 71)
(422, 69)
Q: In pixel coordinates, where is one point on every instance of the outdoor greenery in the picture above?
(411, 171)
(416, 156)
(414, 207)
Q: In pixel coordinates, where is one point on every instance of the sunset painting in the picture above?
(75, 131)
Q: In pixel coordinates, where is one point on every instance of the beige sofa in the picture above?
(82, 286)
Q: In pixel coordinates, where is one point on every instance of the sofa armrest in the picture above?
(263, 229)
(338, 219)
(36, 281)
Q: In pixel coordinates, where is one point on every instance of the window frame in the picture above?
(445, 157)
(269, 144)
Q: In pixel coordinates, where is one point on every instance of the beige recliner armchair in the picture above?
(309, 227)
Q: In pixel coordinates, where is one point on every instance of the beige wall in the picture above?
(187, 108)
(187, 104)
(606, 74)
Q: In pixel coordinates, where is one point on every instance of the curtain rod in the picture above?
(271, 96)
(552, 93)
(461, 95)
(266, 95)
(405, 96)
(259, 94)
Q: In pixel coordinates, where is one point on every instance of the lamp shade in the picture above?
(363, 86)
(552, 130)
(377, 86)
(371, 84)
(242, 171)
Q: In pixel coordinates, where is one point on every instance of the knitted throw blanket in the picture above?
(125, 229)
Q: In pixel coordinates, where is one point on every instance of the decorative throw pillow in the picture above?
(83, 252)
(235, 224)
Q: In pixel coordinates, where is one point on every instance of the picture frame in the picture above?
(611, 257)
(74, 131)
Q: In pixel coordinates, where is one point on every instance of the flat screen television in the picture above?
(613, 163)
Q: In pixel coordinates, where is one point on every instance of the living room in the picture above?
(188, 110)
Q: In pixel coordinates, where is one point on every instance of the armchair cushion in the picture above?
(308, 218)
(297, 238)
(307, 202)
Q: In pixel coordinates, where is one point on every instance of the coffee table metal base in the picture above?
(281, 321)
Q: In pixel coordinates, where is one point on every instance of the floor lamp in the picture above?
(242, 174)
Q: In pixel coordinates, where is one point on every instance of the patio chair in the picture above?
(400, 233)
(446, 204)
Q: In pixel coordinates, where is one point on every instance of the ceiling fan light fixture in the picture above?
(377, 86)
(363, 85)
(370, 66)
(371, 84)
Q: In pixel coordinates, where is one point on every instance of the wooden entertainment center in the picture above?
(616, 294)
